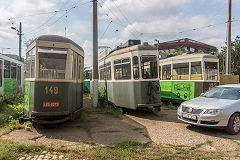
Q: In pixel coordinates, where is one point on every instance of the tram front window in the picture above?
(52, 63)
(149, 67)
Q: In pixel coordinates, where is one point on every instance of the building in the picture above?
(187, 44)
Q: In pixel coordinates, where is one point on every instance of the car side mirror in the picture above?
(201, 94)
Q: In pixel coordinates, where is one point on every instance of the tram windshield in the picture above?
(149, 67)
(52, 63)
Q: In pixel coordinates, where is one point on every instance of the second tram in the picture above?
(186, 76)
(54, 79)
(129, 76)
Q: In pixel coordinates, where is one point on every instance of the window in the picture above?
(122, 69)
(135, 67)
(181, 71)
(13, 70)
(149, 67)
(30, 63)
(166, 72)
(19, 74)
(88, 74)
(105, 71)
(211, 71)
(79, 67)
(196, 71)
(7, 66)
(52, 63)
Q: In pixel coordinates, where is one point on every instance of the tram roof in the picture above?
(143, 46)
(57, 38)
(190, 56)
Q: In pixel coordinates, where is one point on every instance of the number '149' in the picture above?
(51, 90)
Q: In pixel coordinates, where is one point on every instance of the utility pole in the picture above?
(228, 59)
(19, 33)
(95, 56)
(20, 40)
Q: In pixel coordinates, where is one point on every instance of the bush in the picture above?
(16, 112)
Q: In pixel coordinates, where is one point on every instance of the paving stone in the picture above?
(61, 156)
(29, 157)
(54, 157)
(44, 152)
(22, 158)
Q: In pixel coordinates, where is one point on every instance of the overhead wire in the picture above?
(121, 23)
(66, 11)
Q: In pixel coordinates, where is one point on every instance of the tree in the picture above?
(235, 57)
(28, 42)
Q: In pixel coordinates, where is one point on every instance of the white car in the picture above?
(218, 107)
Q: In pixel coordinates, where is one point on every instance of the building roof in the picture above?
(185, 42)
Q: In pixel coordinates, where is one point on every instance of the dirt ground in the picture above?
(163, 128)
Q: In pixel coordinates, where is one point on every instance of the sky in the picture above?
(118, 21)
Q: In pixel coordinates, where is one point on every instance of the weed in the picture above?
(170, 106)
(137, 129)
(10, 150)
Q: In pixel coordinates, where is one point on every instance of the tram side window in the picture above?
(30, 63)
(149, 67)
(181, 71)
(13, 70)
(122, 69)
(79, 67)
(7, 66)
(19, 74)
(135, 68)
(88, 74)
(166, 72)
(0, 73)
(211, 70)
(105, 71)
(52, 63)
(196, 71)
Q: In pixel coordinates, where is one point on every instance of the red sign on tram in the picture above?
(50, 104)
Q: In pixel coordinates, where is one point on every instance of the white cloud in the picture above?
(142, 10)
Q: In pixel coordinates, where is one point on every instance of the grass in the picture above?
(122, 150)
(170, 106)
(137, 150)
(11, 150)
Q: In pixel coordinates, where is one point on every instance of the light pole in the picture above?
(4, 48)
(19, 32)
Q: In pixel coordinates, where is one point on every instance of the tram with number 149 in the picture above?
(54, 79)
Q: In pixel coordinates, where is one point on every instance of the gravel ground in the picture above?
(103, 129)
(165, 128)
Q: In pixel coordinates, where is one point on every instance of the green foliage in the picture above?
(17, 111)
(177, 52)
(11, 150)
(14, 124)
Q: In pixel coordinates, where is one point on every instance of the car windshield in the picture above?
(223, 93)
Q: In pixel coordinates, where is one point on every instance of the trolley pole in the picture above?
(95, 56)
(228, 60)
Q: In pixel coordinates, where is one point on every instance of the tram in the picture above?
(54, 79)
(186, 76)
(87, 79)
(129, 76)
(11, 76)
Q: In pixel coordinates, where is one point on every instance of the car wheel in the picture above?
(234, 124)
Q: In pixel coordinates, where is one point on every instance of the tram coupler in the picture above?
(23, 120)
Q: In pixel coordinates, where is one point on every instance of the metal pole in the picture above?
(20, 39)
(228, 59)
(95, 56)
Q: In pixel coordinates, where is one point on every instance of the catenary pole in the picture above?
(228, 60)
(95, 57)
(20, 39)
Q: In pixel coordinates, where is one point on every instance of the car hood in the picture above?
(209, 103)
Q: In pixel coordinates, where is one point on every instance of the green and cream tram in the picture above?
(130, 77)
(186, 76)
(54, 79)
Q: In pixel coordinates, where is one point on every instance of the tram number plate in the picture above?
(50, 104)
(190, 116)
